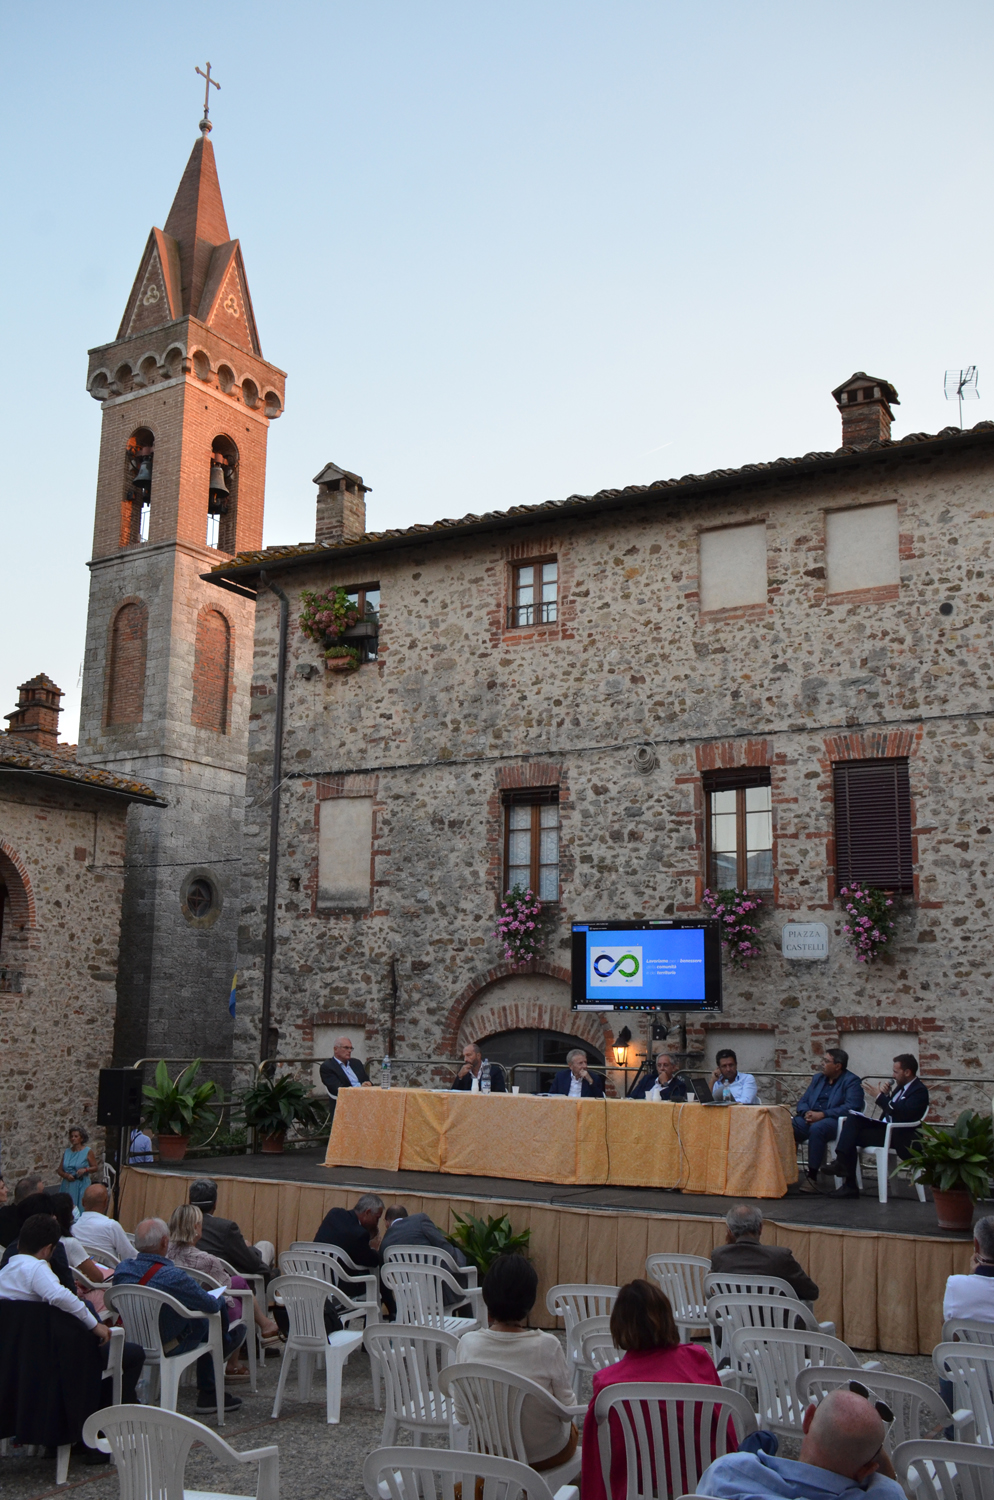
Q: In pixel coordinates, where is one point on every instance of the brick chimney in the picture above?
(36, 716)
(341, 508)
(865, 403)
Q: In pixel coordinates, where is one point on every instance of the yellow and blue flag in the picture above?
(233, 996)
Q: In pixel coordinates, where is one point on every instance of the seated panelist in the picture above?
(668, 1084)
(577, 1081)
(341, 1071)
(472, 1071)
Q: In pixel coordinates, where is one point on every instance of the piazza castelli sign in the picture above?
(804, 940)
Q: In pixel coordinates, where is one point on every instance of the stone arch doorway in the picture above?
(536, 1055)
(527, 1018)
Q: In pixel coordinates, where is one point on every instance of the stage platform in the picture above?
(881, 1268)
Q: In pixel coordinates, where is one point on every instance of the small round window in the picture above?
(200, 899)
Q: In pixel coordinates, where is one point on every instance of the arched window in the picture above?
(128, 646)
(211, 672)
(136, 509)
(16, 921)
(222, 494)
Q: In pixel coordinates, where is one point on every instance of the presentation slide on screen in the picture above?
(647, 965)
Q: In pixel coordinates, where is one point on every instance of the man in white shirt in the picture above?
(577, 1081)
(95, 1228)
(28, 1277)
(728, 1083)
(972, 1296)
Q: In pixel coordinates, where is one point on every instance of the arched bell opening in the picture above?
(222, 494)
(136, 508)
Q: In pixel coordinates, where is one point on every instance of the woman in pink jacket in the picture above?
(641, 1324)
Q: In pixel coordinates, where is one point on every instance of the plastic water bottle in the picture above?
(485, 1077)
(726, 1094)
(385, 1073)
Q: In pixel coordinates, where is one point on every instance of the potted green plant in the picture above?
(956, 1164)
(175, 1107)
(481, 1241)
(341, 659)
(273, 1105)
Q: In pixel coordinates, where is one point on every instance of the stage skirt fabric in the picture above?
(882, 1291)
(739, 1151)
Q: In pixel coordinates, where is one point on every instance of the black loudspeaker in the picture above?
(119, 1099)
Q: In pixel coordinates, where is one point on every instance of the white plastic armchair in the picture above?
(727, 1312)
(412, 1360)
(881, 1154)
(139, 1308)
(304, 1298)
(575, 1302)
(486, 1414)
(681, 1277)
(255, 1279)
(343, 1269)
(774, 1358)
(967, 1331)
(671, 1433)
(402, 1473)
(418, 1292)
(150, 1449)
(245, 1298)
(100, 1255)
(945, 1471)
(431, 1255)
(970, 1367)
(590, 1347)
(919, 1411)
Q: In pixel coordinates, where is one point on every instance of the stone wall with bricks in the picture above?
(458, 708)
(61, 856)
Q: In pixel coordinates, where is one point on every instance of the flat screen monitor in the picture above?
(664, 965)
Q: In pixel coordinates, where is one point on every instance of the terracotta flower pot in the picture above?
(954, 1209)
(173, 1147)
(340, 663)
(272, 1145)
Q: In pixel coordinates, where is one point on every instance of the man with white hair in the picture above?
(94, 1226)
(743, 1255)
(150, 1266)
(576, 1080)
(842, 1458)
(342, 1071)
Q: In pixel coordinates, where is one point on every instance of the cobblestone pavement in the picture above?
(315, 1459)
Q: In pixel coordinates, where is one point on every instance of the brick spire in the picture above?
(36, 716)
(197, 222)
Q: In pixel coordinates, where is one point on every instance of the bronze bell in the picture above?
(217, 502)
(143, 478)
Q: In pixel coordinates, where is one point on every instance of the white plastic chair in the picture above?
(432, 1255)
(139, 1308)
(671, 1433)
(486, 1408)
(418, 1292)
(411, 1360)
(774, 1358)
(721, 1284)
(967, 1331)
(945, 1471)
(727, 1312)
(255, 1279)
(341, 1267)
(327, 1269)
(150, 1448)
(919, 1411)
(574, 1302)
(881, 1154)
(590, 1346)
(246, 1298)
(681, 1278)
(405, 1473)
(100, 1255)
(304, 1298)
(970, 1367)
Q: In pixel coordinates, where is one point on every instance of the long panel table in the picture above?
(742, 1151)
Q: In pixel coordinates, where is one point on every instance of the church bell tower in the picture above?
(187, 399)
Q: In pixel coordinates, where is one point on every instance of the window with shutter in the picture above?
(873, 824)
(739, 829)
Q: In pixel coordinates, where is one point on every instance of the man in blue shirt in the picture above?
(151, 1267)
(728, 1083)
(829, 1097)
(842, 1458)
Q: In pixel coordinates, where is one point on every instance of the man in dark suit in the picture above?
(354, 1230)
(831, 1094)
(902, 1101)
(341, 1070)
(472, 1068)
(743, 1255)
(222, 1237)
(576, 1081)
(672, 1085)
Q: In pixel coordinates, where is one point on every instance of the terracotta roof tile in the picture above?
(16, 754)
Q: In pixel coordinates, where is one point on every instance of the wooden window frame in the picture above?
(894, 824)
(737, 781)
(513, 622)
(535, 799)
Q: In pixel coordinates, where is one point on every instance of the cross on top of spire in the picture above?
(205, 124)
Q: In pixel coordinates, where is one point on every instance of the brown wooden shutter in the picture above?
(873, 824)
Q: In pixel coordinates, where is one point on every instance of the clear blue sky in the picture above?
(506, 251)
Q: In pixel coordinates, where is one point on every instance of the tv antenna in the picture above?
(961, 385)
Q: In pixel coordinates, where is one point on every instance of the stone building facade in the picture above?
(62, 843)
(792, 627)
(187, 399)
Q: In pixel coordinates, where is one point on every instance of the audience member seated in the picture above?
(744, 1256)
(340, 1071)
(95, 1227)
(576, 1081)
(41, 1203)
(509, 1291)
(185, 1229)
(831, 1094)
(470, 1074)
(641, 1324)
(77, 1256)
(223, 1238)
(28, 1277)
(972, 1295)
(663, 1083)
(842, 1458)
(404, 1229)
(356, 1231)
(10, 1219)
(904, 1100)
(150, 1266)
(728, 1083)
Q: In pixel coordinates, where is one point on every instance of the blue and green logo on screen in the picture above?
(615, 968)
